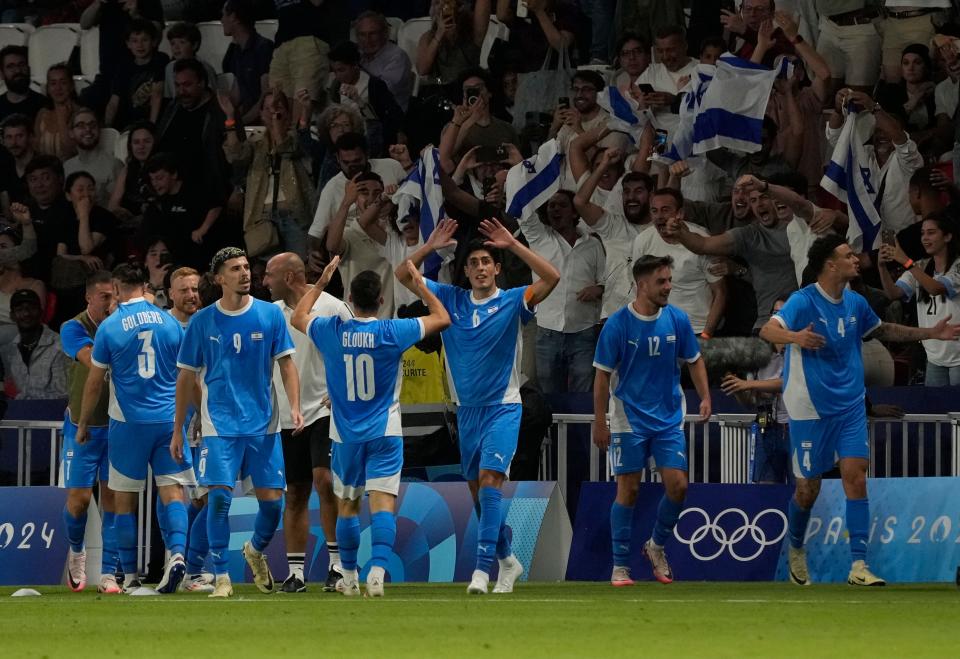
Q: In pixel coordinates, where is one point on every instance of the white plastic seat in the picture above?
(120, 147)
(90, 53)
(267, 28)
(213, 44)
(497, 30)
(49, 45)
(108, 140)
(410, 33)
(15, 34)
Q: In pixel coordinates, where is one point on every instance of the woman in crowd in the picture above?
(452, 45)
(131, 191)
(934, 282)
(53, 124)
(158, 262)
(336, 120)
(912, 99)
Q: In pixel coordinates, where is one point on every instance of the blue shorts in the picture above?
(630, 452)
(133, 446)
(488, 438)
(83, 465)
(258, 460)
(816, 445)
(373, 465)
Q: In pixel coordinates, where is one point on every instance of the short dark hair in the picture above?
(713, 42)
(208, 289)
(365, 291)
(75, 176)
(649, 263)
(822, 251)
(162, 161)
(140, 125)
(191, 64)
(364, 177)
(99, 277)
(52, 163)
(638, 177)
(243, 10)
(345, 52)
(17, 120)
(130, 274)
(351, 142)
(591, 77)
(669, 192)
(631, 36)
(919, 179)
(668, 31)
(7, 51)
(185, 30)
(476, 72)
(142, 26)
(480, 245)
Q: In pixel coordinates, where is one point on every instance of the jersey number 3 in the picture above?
(360, 384)
(147, 358)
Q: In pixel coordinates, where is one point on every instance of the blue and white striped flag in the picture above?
(853, 178)
(421, 189)
(732, 108)
(625, 114)
(532, 182)
(681, 142)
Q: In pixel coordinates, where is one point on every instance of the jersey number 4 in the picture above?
(147, 358)
(360, 384)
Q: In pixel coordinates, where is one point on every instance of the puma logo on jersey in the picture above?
(635, 344)
(498, 457)
(215, 339)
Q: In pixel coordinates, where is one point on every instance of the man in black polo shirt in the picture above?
(19, 98)
(247, 58)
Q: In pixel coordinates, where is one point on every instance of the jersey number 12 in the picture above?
(360, 384)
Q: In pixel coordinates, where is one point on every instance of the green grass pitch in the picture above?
(538, 620)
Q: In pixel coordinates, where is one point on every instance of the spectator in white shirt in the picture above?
(668, 76)
(567, 320)
(382, 58)
(701, 294)
(91, 156)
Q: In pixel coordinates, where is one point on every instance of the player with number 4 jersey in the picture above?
(638, 362)
(362, 358)
(823, 326)
(137, 347)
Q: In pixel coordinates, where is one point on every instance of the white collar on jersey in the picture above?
(239, 312)
(639, 315)
(365, 319)
(134, 300)
(827, 296)
(492, 296)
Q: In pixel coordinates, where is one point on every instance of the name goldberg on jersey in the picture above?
(142, 318)
(359, 340)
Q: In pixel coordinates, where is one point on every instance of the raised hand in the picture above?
(351, 191)
(227, 105)
(732, 21)
(496, 234)
(21, 213)
(765, 35)
(401, 154)
(808, 339)
(442, 235)
(787, 23)
(328, 271)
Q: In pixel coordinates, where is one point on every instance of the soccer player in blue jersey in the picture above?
(482, 347)
(233, 345)
(638, 359)
(137, 347)
(823, 325)
(83, 465)
(363, 357)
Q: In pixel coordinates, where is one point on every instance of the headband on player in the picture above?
(225, 255)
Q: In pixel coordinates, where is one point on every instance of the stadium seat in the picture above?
(497, 30)
(410, 34)
(267, 28)
(15, 34)
(49, 45)
(90, 53)
(79, 84)
(120, 148)
(224, 82)
(108, 140)
(254, 131)
(213, 44)
(164, 46)
(603, 69)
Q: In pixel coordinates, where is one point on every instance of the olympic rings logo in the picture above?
(731, 541)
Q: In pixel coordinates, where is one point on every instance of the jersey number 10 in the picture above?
(360, 384)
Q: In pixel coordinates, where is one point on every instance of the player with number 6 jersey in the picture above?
(137, 347)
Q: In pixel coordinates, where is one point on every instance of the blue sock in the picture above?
(383, 533)
(126, 526)
(488, 531)
(348, 537)
(218, 527)
(192, 512)
(163, 522)
(76, 528)
(668, 512)
(197, 546)
(111, 555)
(505, 540)
(621, 530)
(797, 520)
(268, 519)
(858, 524)
(176, 527)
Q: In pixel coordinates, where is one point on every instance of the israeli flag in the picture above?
(421, 189)
(532, 182)
(681, 142)
(853, 178)
(625, 114)
(732, 108)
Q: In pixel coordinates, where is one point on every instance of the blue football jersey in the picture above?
(362, 358)
(234, 351)
(643, 353)
(74, 338)
(483, 344)
(829, 381)
(138, 344)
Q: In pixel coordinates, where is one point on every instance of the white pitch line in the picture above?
(527, 600)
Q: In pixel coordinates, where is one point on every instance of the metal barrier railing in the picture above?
(53, 430)
(719, 451)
